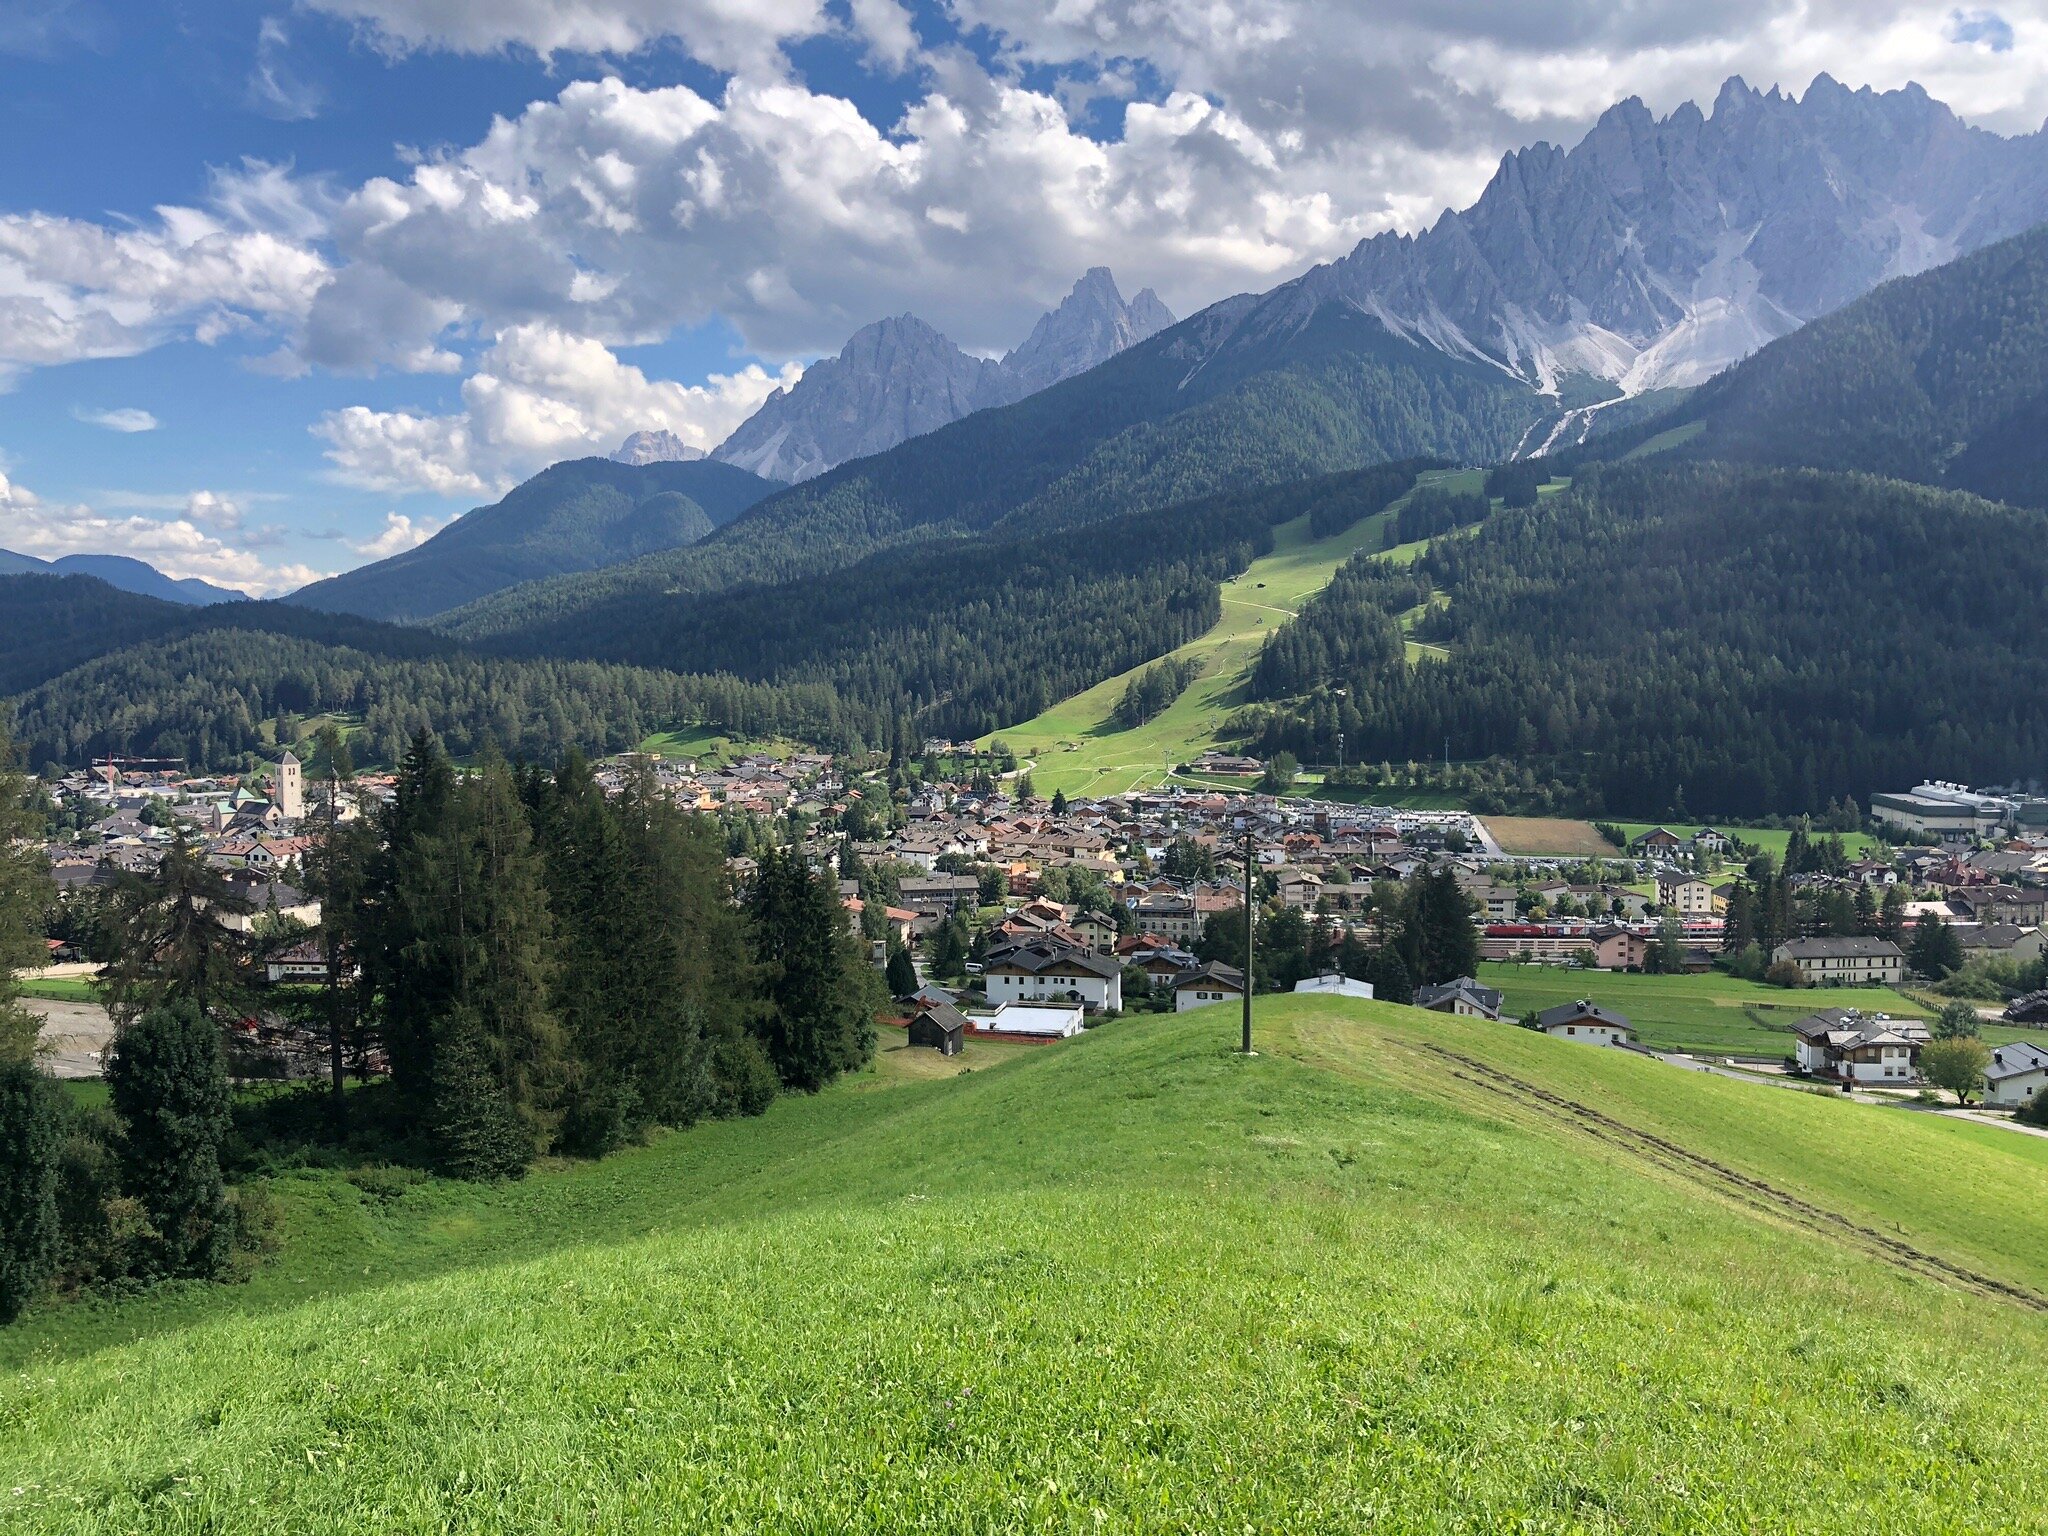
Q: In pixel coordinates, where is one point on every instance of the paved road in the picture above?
(74, 1036)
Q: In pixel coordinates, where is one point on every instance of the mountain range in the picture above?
(124, 573)
(899, 378)
(1657, 251)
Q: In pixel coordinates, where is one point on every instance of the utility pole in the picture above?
(1248, 936)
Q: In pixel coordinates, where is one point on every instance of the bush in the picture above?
(747, 1082)
(1786, 973)
(2034, 1111)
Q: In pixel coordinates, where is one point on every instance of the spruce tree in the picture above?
(167, 1080)
(31, 1136)
(901, 975)
(1390, 978)
(25, 894)
(172, 945)
(821, 992)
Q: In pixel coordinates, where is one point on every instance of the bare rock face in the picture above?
(1657, 252)
(899, 378)
(655, 447)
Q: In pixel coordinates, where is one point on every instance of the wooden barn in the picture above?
(940, 1026)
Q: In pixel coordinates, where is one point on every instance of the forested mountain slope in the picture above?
(1170, 420)
(1940, 378)
(1742, 640)
(125, 573)
(572, 516)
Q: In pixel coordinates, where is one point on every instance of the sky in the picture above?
(286, 285)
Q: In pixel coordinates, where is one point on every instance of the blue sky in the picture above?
(285, 286)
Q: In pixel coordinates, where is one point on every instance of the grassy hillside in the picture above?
(1393, 1273)
(1077, 745)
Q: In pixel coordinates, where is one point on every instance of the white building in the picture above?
(1845, 962)
(1055, 972)
(1207, 984)
(2017, 1075)
(291, 789)
(1687, 895)
(1039, 1021)
(1587, 1023)
(1861, 1047)
(1335, 985)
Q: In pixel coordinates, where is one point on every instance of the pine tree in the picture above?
(25, 894)
(167, 1080)
(1891, 915)
(1936, 952)
(1059, 802)
(1390, 977)
(171, 944)
(821, 992)
(1739, 930)
(901, 975)
(31, 1135)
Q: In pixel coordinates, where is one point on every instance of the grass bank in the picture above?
(1398, 1273)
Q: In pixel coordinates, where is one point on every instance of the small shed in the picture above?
(940, 1026)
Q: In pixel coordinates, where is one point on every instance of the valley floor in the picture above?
(1398, 1272)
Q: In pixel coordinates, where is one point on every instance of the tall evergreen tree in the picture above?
(25, 894)
(167, 1080)
(31, 1135)
(1936, 952)
(1436, 938)
(901, 975)
(821, 991)
(172, 944)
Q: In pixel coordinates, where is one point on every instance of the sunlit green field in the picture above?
(1076, 745)
(1398, 1272)
(1770, 840)
(1709, 1012)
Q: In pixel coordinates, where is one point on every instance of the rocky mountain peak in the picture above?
(900, 377)
(655, 446)
(1656, 252)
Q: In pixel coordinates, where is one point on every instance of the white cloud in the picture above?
(275, 88)
(400, 534)
(125, 418)
(538, 395)
(727, 34)
(177, 546)
(71, 289)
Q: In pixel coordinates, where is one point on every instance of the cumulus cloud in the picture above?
(71, 289)
(537, 396)
(620, 213)
(177, 546)
(125, 418)
(400, 533)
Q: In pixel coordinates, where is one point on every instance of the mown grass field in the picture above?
(1549, 834)
(1398, 1272)
(1771, 840)
(59, 989)
(1076, 745)
(1708, 1013)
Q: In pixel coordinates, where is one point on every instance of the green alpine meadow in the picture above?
(1394, 1272)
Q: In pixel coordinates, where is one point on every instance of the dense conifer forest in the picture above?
(1755, 641)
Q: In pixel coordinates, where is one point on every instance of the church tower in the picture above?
(291, 789)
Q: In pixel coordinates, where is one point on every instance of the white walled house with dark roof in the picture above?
(1845, 962)
(1587, 1023)
(2017, 1076)
(1859, 1047)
